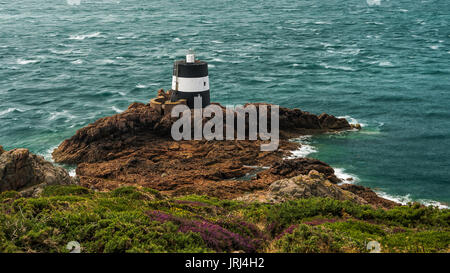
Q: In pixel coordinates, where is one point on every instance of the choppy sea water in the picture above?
(385, 64)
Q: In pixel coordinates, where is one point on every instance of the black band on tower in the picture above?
(189, 96)
(190, 70)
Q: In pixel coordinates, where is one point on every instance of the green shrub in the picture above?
(56, 190)
(118, 221)
(314, 239)
(9, 195)
(129, 192)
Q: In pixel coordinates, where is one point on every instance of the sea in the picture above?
(382, 63)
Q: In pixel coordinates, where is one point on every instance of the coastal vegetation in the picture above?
(137, 219)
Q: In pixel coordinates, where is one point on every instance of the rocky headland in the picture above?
(137, 190)
(134, 148)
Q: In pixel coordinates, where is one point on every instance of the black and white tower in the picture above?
(190, 80)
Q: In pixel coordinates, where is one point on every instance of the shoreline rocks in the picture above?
(369, 196)
(313, 184)
(23, 171)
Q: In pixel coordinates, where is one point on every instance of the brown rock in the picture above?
(19, 169)
(314, 184)
(369, 195)
(294, 167)
(332, 122)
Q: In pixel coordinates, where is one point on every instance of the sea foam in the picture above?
(117, 110)
(346, 178)
(84, 36)
(23, 61)
(405, 199)
(352, 120)
(4, 112)
(304, 150)
(373, 2)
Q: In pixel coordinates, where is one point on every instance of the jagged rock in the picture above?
(298, 166)
(91, 143)
(23, 171)
(369, 195)
(332, 122)
(314, 184)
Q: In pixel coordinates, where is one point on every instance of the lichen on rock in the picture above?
(313, 184)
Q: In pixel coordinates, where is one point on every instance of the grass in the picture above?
(142, 220)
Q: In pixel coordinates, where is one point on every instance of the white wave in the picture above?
(9, 110)
(141, 86)
(337, 67)
(61, 52)
(216, 42)
(373, 2)
(117, 110)
(64, 114)
(72, 172)
(405, 199)
(322, 23)
(84, 36)
(74, 2)
(352, 120)
(77, 62)
(23, 61)
(106, 61)
(434, 47)
(48, 153)
(346, 178)
(385, 63)
(218, 60)
(176, 40)
(305, 148)
(433, 203)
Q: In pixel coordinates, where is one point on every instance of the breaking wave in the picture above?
(405, 199)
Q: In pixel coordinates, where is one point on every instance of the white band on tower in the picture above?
(191, 84)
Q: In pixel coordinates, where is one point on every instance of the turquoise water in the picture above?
(384, 63)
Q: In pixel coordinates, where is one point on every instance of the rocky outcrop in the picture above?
(313, 184)
(113, 134)
(23, 171)
(135, 148)
(369, 196)
(294, 167)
